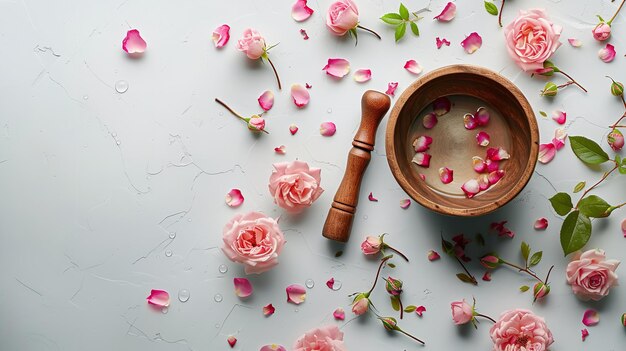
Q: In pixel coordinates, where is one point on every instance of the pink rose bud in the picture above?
(371, 245)
(601, 32)
(490, 261)
(342, 16)
(361, 304)
(540, 290)
(252, 44)
(617, 89)
(389, 323)
(615, 139)
(462, 312)
(256, 123)
(393, 286)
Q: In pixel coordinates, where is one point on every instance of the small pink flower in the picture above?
(280, 150)
(391, 88)
(372, 198)
(231, 341)
(337, 67)
(221, 35)
(133, 43)
(300, 11)
(462, 312)
(421, 159)
(615, 139)
(159, 298)
(541, 224)
(487, 276)
(520, 329)
(441, 42)
(607, 54)
(420, 310)
(268, 310)
(300, 95)
(585, 333)
(601, 32)
(252, 44)
(490, 261)
(342, 16)
(413, 67)
(446, 175)
(433, 255)
(591, 317)
(472, 43)
(243, 287)
(295, 186)
(266, 100)
(422, 143)
(405, 203)
(531, 39)
(328, 338)
(328, 129)
(540, 290)
(591, 275)
(362, 75)
(293, 129)
(575, 42)
(234, 198)
(546, 152)
(296, 294)
(447, 14)
(371, 245)
(339, 314)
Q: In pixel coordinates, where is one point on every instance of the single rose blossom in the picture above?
(520, 330)
(591, 275)
(295, 186)
(462, 312)
(371, 245)
(252, 44)
(601, 32)
(342, 16)
(531, 39)
(254, 240)
(328, 338)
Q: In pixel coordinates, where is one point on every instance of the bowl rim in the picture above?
(465, 69)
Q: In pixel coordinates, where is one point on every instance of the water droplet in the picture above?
(217, 325)
(168, 253)
(330, 110)
(426, 291)
(121, 86)
(118, 142)
(183, 295)
(164, 310)
(296, 310)
(222, 268)
(172, 235)
(218, 298)
(336, 285)
(309, 283)
(189, 220)
(85, 97)
(365, 217)
(221, 113)
(114, 134)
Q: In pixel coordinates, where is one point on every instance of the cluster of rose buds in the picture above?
(615, 137)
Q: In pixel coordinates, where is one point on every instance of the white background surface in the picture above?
(93, 181)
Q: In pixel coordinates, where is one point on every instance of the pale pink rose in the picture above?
(520, 330)
(462, 312)
(601, 32)
(252, 44)
(591, 275)
(328, 338)
(371, 245)
(256, 123)
(360, 305)
(531, 39)
(254, 240)
(295, 186)
(342, 16)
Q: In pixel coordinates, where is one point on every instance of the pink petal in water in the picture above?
(339, 314)
(478, 164)
(405, 203)
(546, 152)
(591, 317)
(391, 88)
(482, 116)
(472, 43)
(231, 341)
(483, 181)
(304, 34)
(498, 154)
(273, 347)
(159, 298)
(328, 129)
(293, 129)
(266, 100)
(243, 287)
(221, 35)
(607, 54)
(300, 11)
(280, 150)
(541, 223)
(421, 159)
(446, 175)
(337, 67)
(268, 310)
(234, 198)
(422, 176)
(362, 75)
(559, 116)
(492, 165)
(470, 188)
(300, 95)
(422, 143)
(469, 121)
(495, 176)
(442, 42)
(585, 333)
(413, 67)
(447, 14)
(433, 255)
(296, 294)
(441, 106)
(420, 310)
(372, 198)
(482, 138)
(430, 120)
(133, 43)
(575, 42)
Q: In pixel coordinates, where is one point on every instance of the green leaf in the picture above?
(400, 30)
(447, 247)
(524, 288)
(593, 206)
(414, 29)
(543, 114)
(410, 308)
(600, 18)
(575, 232)
(536, 258)
(525, 251)
(395, 303)
(588, 150)
(465, 278)
(392, 18)
(562, 203)
(391, 265)
(580, 186)
(491, 8)
(404, 12)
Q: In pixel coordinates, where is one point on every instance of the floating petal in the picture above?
(133, 43)
(421, 159)
(442, 42)
(478, 164)
(541, 224)
(498, 154)
(405, 203)
(362, 75)
(482, 116)
(470, 188)
(441, 106)
(372, 198)
(328, 129)
(430, 120)
(546, 152)
(268, 310)
(280, 149)
(591, 317)
(300, 95)
(221, 35)
(575, 42)
(495, 176)
(422, 143)
(469, 121)
(413, 67)
(159, 298)
(482, 138)
(472, 43)
(559, 116)
(433, 255)
(300, 11)
(293, 129)
(447, 14)
(446, 175)
(296, 294)
(492, 166)
(266, 100)
(391, 88)
(339, 314)
(234, 198)
(422, 176)
(607, 54)
(243, 287)
(483, 182)
(337, 67)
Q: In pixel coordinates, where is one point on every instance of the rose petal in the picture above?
(430, 120)
(472, 43)
(495, 176)
(280, 150)
(585, 333)
(420, 310)
(498, 154)
(478, 164)
(133, 43)
(492, 165)
(441, 106)
(487, 276)
(469, 121)
(305, 36)
(330, 282)
(575, 42)
(372, 198)
(482, 116)
(433, 255)
(405, 203)
(362, 75)
(442, 42)
(159, 298)
(546, 152)
(339, 314)
(328, 128)
(413, 67)
(422, 176)
(296, 294)
(337, 67)
(624, 227)
(308, 86)
(231, 341)
(243, 287)
(268, 310)
(391, 88)
(559, 116)
(591, 317)
(293, 129)
(482, 139)
(607, 54)
(422, 143)
(266, 100)
(446, 175)
(300, 95)
(470, 188)
(559, 138)
(234, 198)
(541, 223)
(221, 35)
(273, 347)
(300, 11)
(421, 159)
(447, 14)
(483, 182)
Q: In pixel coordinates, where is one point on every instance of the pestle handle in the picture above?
(338, 223)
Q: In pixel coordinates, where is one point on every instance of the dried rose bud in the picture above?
(540, 290)
(615, 139)
(617, 88)
(490, 261)
(550, 89)
(393, 286)
(389, 323)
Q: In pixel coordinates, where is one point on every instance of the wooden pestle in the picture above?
(338, 223)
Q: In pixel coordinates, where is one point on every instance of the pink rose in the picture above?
(591, 275)
(531, 39)
(616, 140)
(360, 305)
(462, 312)
(601, 32)
(342, 16)
(328, 338)
(254, 240)
(371, 245)
(252, 44)
(256, 123)
(520, 330)
(295, 186)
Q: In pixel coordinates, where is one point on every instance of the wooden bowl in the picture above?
(515, 128)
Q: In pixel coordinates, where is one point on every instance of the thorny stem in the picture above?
(382, 263)
(275, 73)
(573, 80)
(616, 12)
(484, 316)
(466, 271)
(596, 184)
(500, 14)
(396, 251)
(369, 30)
(526, 270)
(237, 115)
(564, 85)
(616, 124)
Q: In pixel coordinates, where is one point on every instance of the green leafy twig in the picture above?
(401, 19)
(449, 249)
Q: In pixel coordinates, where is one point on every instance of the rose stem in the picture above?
(275, 73)
(410, 336)
(230, 109)
(369, 30)
(565, 85)
(616, 124)
(573, 80)
(466, 271)
(523, 270)
(398, 252)
(500, 14)
(616, 12)
(382, 263)
(596, 184)
(484, 316)
(401, 309)
(548, 276)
